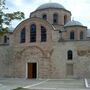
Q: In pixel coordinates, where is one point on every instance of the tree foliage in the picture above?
(6, 18)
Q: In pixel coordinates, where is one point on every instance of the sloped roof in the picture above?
(73, 23)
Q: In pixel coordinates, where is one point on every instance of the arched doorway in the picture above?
(32, 57)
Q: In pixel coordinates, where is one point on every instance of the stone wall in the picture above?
(6, 61)
(81, 64)
(51, 63)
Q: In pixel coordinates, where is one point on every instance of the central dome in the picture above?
(50, 5)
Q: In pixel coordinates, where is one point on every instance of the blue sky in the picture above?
(80, 9)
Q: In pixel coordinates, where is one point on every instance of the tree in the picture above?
(6, 18)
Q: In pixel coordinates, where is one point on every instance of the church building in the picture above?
(46, 45)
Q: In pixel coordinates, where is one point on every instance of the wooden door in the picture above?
(32, 70)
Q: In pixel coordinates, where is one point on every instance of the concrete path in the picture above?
(71, 84)
(11, 83)
(88, 81)
(48, 84)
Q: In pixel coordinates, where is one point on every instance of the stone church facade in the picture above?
(46, 45)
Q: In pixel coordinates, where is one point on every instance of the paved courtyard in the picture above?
(41, 84)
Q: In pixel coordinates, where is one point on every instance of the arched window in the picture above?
(55, 18)
(72, 35)
(70, 55)
(81, 35)
(23, 35)
(44, 17)
(65, 19)
(5, 39)
(43, 34)
(33, 33)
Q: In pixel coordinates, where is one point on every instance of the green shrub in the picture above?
(19, 88)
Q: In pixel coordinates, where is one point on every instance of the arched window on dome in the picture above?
(44, 16)
(23, 35)
(55, 18)
(81, 35)
(33, 33)
(65, 19)
(72, 35)
(69, 55)
(43, 34)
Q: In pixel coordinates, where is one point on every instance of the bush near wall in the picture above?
(20, 88)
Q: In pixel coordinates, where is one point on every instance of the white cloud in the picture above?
(79, 8)
(17, 2)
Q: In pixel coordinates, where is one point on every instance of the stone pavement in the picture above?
(12, 83)
(68, 84)
(88, 80)
(48, 84)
